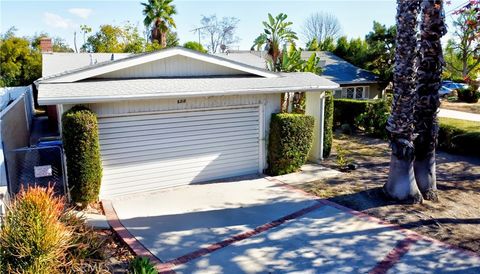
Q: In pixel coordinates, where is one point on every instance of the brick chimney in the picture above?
(46, 44)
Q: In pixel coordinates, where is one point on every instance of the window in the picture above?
(355, 92)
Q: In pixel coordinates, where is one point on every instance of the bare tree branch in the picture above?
(219, 32)
(321, 25)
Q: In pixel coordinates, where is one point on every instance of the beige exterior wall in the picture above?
(375, 91)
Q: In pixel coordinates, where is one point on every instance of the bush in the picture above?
(290, 140)
(469, 95)
(142, 265)
(374, 119)
(41, 235)
(328, 125)
(80, 139)
(458, 136)
(347, 110)
(33, 238)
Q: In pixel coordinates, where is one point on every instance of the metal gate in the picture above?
(37, 166)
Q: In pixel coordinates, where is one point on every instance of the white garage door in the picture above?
(153, 151)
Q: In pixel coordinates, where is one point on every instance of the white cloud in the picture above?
(56, 21)
(80, 12)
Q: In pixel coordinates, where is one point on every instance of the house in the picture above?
(177, 116)
(355, 83)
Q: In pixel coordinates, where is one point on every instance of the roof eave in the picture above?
(103, 99)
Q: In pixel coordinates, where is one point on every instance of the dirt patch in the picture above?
(460, 106)
(455, 219)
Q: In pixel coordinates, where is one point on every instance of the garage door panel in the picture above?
(171, 138)
(155, 116)
(164, 164)
(154, 151)
(202, 148)
(173, 124)
(152, 183)
(164, 121)
(118, 138)
(143, 159)
(187, 171)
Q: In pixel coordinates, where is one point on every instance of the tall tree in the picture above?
(429, 81)
(381, 50)
(220, 33)
(158, 17)
(20, 62)
(321, 26)
(463, 50)
(277, 32)
(401, 184)
(115, 39)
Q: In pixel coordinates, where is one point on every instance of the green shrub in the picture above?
(375, 117)
(469, 95)
(290, 140)
(142, 265)
(80, 140)
(459, 136)
(195, 46)
(33, 239)
(347, 110)
(328, 124)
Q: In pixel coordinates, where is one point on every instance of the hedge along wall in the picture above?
(328, 124)
(347, 110)
(82, 149)
(459, 137)
(290, 140)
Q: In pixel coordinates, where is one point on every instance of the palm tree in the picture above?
(158, 16)
(432, 29)
(401, 184)
(276, 33)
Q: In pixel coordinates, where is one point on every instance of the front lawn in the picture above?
(460, 106)
(454, 219)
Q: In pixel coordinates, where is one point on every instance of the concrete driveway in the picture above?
(461, 115)
(265, 226)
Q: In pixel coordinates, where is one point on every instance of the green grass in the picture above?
(467, 126)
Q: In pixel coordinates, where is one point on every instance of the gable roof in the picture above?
(341, 71)
(166, 88)
(104, 68)
(334, 68)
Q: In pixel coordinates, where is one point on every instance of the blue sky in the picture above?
(62, 18)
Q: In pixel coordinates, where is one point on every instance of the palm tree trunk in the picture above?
(401, 184)
(429, 72)
(163, 39)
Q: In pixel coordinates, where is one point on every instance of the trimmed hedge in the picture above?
(469, 95)
(290, 140)
(328, 124)
(82, 149)
(347, 110)
(458, 136)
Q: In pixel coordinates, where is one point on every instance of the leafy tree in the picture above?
(20, 63)
(463, 51)
(312, 45)
(158, 17)
(195, 46)
(172, 39)
(277, 32)
(115, 39)
(219, 33)
(341, 49)
(381, 50)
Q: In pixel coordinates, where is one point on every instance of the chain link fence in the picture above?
(37, 166)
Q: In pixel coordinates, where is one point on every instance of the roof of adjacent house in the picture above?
(334, 68)
(92, 84)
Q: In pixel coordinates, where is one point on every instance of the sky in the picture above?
(63, 18)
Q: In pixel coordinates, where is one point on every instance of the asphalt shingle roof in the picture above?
(121, 89)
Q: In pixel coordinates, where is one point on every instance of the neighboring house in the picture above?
(355, 83)
(177, 116)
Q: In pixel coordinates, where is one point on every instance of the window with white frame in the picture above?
(356, 92)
